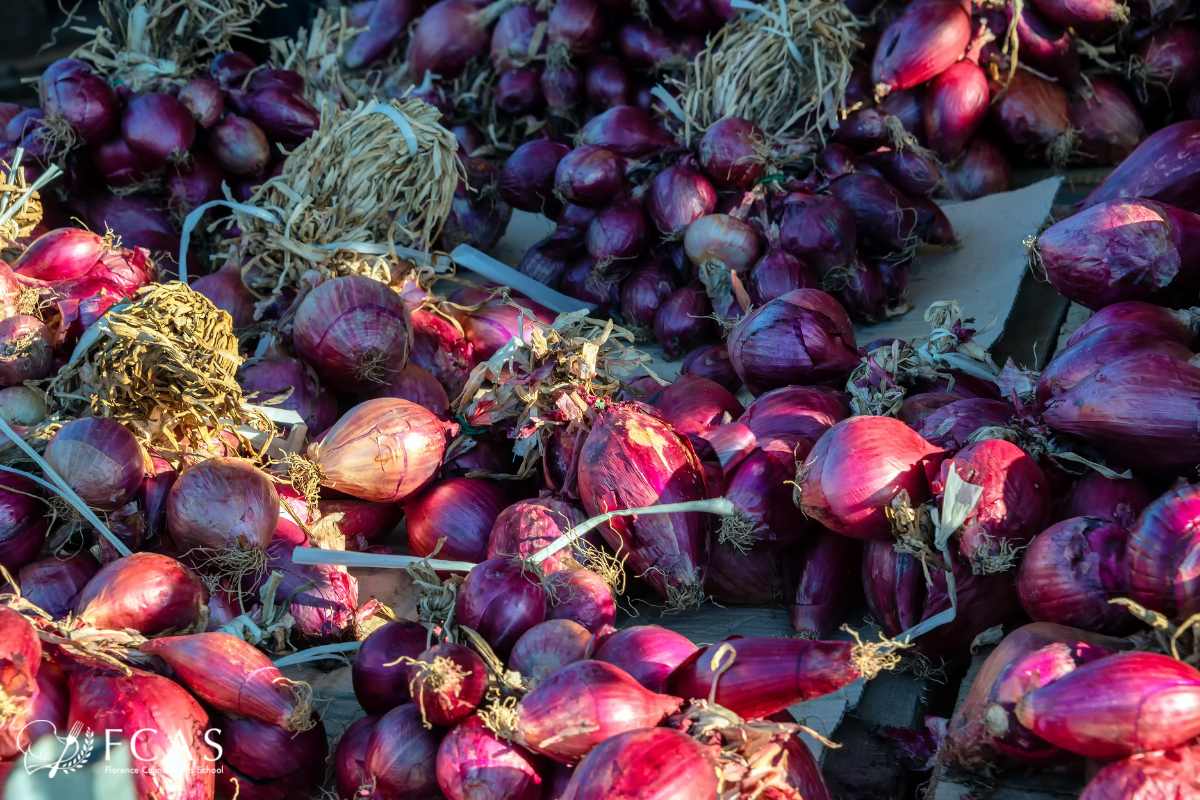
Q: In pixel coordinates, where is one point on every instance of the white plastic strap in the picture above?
(193, 219)
(403, 124)
(315, 556)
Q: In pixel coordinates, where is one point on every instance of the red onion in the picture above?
(23, 521)
(625, 130)
(863, 294)
(693, 16)
(1168, 773)
(678, 197)
(239, 146)
(683, 320)
(491, 327)
(500, 599)
(911, 172)
(1117, 500)
(44, 713)
(120, 166)
(546, 647)
(1136, 411)
(885, 219)
(60, 254)
(576, 26)
(20, 653)
(282, 114)
(54, 584)
(24, 123)
(1103, 346)
(259, 760)
(589, 176)
(918, 407)
(488, 453)
(642, 46)
(802, 337)
(472, 762)
(744, 577)
(648, 653)
(607, 84)
(349, 762)
(478, 216)
(222, 507)
(228, 293)
(951, 425)
(1109, 124)
(1161, 544)
(527, 178)
(643, 293)
(442, 348)
(203, 98)
(165, 727)
(777, 273)
(277, 79)
(1071, 571)
(805, 411)
(694, 406)
(528, 526)
(512, 38)
(1045, 46)
(360, 518)
(731, 152)
(518, 91)
(99, 459)
(723, 241)
(71, 91)
(1121, 250)
(415, 385)
(766, 675)
(192, 186)
(1162, 168)
(1117, 706)
(711, 362)
(983, 170)
(25, 350)
(562, 86)
(546, 261)
(582, 705)
(582, 596)
(760, 490)
(934, 228)
(230, 68)
(863, 130)
(401, 756)
(631, 460)
(387, 21)
(908, 107)
(323, 598)
(1095, 20)
(1178, 325)
(652, 764)
(460, 510)
(147, 592)
(921, 43)
(857, 468)
(1034, 115)
(128, 214)
(617, 233)
(448, 682)
(594, 282)
(158, 126)
(836, 160)
(894, 585)
(378, 687)
(826, 570)
(272, 376)
(955, 106)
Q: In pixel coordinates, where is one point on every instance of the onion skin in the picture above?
(711, 362)
(239, 146)
(857, 468)
(730, 152)
(527, 526)
(679, 196)
(1162, 544)
(440, 698)
(473, 764)
(582, 705)
(682, 320)
(863, 295)
(618, 233)
(648, 653)
(99, 459)
(767, 675)
(527, 178)
(1138, 411)
(383, 450)
(221, 502)
(1109, 124)
(172, 728)
(401, 756)
(1170, 773)
(460, 510)
(594, 284)
(158, 126)
(1117, 500)
(54, 584)
(652, 764)
(1162, 168)
(378, 687)
(548, 646)
(1117, 706)
(806, 411)
(582, 596)
(643, 292)
(1103, 346)
(501, 600)
(191, 186)
(884, 217)
(921, 43)
(1122, 250)
(826, 568)
(148, 592)
(349, 761)
(760, 489)
(227, 292)
(1070, 572)
(983, 170)
(952, 424)
(955, 106)
(632, 460)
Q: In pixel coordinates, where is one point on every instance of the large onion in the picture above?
(460, 510)
(99, 459)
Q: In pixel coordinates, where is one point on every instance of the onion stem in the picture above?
(316, 653)
(347, 558)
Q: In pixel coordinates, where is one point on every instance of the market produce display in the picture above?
(236, 355)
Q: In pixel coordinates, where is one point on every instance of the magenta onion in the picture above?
(679, 196)
(951, 425)
(862, 293)
(378, 687)
(99, 459)
(823, 582)
(189, 187)
(1167, 773)
(805, 411)
(1162, 168)
(918, 407)
(518, 91)
(546, 647)
(272, 376)
(777, 273)
(582, 596)
(26, 353)
(69, 90)
(955, 106)
(1178, 325)
(1094, 20)
(590, 176)
(1109, 124)
(648, 653)
(1162, 543)
(501, 599)
(229, 68)
(489, 328)
(651, 764)
(460, 510)
(632, 460)
(147, 592)
(1046, 46)
(983, 170)
(625, 130)
(643, 46)
(60, 254)
(441, 347)
(562, 86)
(53, 584)
(576, 26)
(711, 362)
(802, 337)
(448, 682)
(694, 406)
(513, 37)
(1118, 500)
(884, 218)
(120, 166)
(683, 320)
(527, 526)
(836, 160)
(239, 146)
(1034, 115)
(472, 762)
(527, 178)
(1103, 346)
(732, 153)
(856, 469)
(349, 762)
(401, 755)
(642, 293)
(913, 173)
(158, 126)
(923, 42)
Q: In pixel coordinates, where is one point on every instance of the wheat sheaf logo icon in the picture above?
(75, 751)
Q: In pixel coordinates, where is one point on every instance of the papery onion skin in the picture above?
(527, 526)
(448, 682)
(401, 755)
(806, 411)
(582, 596)
(951, 425)
(1164, 167)
(460, 510)
(825, 570)
(398, 438)
(920, 44)
(857, 468)
(1071, 570)
(1117, 706)
(40, 715)
(1119, 500)
(598, 699)
(501, 599)
(99, 459)
(219, 503)
(1169, 773)
(982, 170)
(378, 687)
(648, 653)
(474, 764)
(548, 646)
(53, 584)
(651, 764)
(23, 522)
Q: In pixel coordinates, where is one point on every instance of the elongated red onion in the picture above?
(590, 176)
(711, 362)
(1161, 543)
(1178, 325)
(158, 126)
(1162, 168)
(1034, 115)
(528, 526)
(401, 755)
(744, 577)
(908, 107)
(625, 130)
(53, 584)
(694, 406)
(951, 425)
(527, 178)
(25, 350)
(501, 599)
(983, 170)
(349, 761)
(652, 764)
(1046, 46)
(512, 43)
(448, 682)
(767, 675)
(955, 106)
(378, 687)
(166, 729)
(472, 762)
(282, 114)
(70, 91)
(1118, 500)
(460, 510)
(60, 254)
(355, 331)
(1092, 19)
(1117, 706)
(643, 46)
(260, 760)
(148, 592)
(802, 337)
(582, 596)
(120, 166)
(1109, 124)
(99, 459)
(884, 218)
(731, 152)
(683, 320)
(631, 460)
(287, 79)
(679, 196)
(239, 146)
(857, 468)
(760, 490)
(921, 43)
(1167, 773)
(575, 26)
(1103, 346)
(825, 569)
(548, 646)
(387, 20)
(647, 653)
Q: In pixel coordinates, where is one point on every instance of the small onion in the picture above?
(518, 91)
(648, 653)
(955, 106)
(25, 350)
(1119, 500)
(460, 510)
(349, 762)
(679, 196)
(721, 240)
(562, 86)
(203, 98)
(1034, 115)
(607, 83)
(239, 146)
(694, 406)
(1109, 125)
(501, 599)
(258, 759)
(513, 38)
(576, 25)
(951, 425)
(582, 596)
(190, 186)
(474, 763)
(158, 126)
(120, 166)
(642, 293)
(378, 687)
(984, 169)
(282, 114)
(401, 755)
(588, 280)
(448, 682)
(23, 523)
(617, 233)
(731, 152)
(223, 506)
(589, 176)
(99, 459)
(625, 130)
(884, 217)
(527, 526)
(712, 362)
(819, 230)
(642, 46)
(683, 320)
(527, 178)
(148, 592)
(71, 91)
(650, 764)
(548, 646)
(804, 411)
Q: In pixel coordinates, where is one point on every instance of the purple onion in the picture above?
(933, 226)
(194, 185)
(284, 116)
(642, 293)
(416, 385)
(70, 90)
(239, 146)
(500, 600)
(158, 126)
(984, 169)
(617, 233)
(885, 219)
(23, 520)
(589, 176)
(644, 47)
(271, 377)
(120, 166)
(607, 84)
(863, 294)
(380, 688)
(582, 596)
(527, 177)
(819, 230)
(625, 130)
(923, 42)
(777, 273)
(513, 36)
(684, 320)
(693, 16)
(586, 280)
(287, 79)
(562, 86)
(228, 293)
(951, 425)
(836, 160)
(53, 584)
(744, 577)
(909, 171)
(863, 130)
(1169, 58)
(577, 26)
(23, 124)
(387, 21)
(518, 91)
(203, 98)
(907, 106)
(917, 407)
(527, 526)
(1108, 122)
(712, 362)
(448, 36)
(648, 653)
(731, 152)
(679, 196)
(478, 216)
(545, 262)
(230, 68)
(1164, 167)
(469, 138)
(758, 488)
(823, 582)
(126, 215)
(1118, 500)
(1046, 47)
(805, 411)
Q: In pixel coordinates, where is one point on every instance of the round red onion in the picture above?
(908, 107)
(607, 84)
(71, 91)
(25, 350)
(147, 592)
(528, 526)
(472, 762)
(260, 760)
(617, 233)
(587, 280)
(546, 261)
(576, 26)
(546, 647)
(386, 22)
(349, 762)
(120, 166)
(884, 218)
(760, 490)
(582, 596)
(921, 43)
(722, 240)
(378, 687)
(460, 510)
(23, 522)
(589, 176)
(862, 294)
(518, 91)
(99, 459)
(562, 86)
(1034, 115)
(415, 385)
(693, 406)
(732, 153)
(23, 124)
(804, 411)
(192, 186)
(401, 755)
(228, 293)
(239, 146)
(648, 653)
(712, 362)
(679, 196)
(1109, 124)
(53, 584)
(478, 216)
(1167, 62)
(863, 130)
(448, 682)
(1118, 500)
(642, 46)
(127, 215)
(911, 172)
(1161, 543)
(500, 599)
(955, 106)
(983, 170)
(282, 114)
(625, 130)
(643, 293)
(527, 178)
(158, 126)
(222, 504)
(651, 764)
(684, 320)
(819, 230)
(951, 425)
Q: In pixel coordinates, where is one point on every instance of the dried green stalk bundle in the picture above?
(20, 203)
(145, 41)
(784, 65)
(566, 371)
(163, 365)
(360, 186)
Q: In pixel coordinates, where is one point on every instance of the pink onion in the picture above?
(951, 425)
(885, 219)
(472, 762)
(527, 526)
(460, 510)
(239, 146)
(855, 470)
(546, 647)
(983, 170)
(378, 687)
(1109, 124)
(1162, 168)
(99, 459)
(500, 599)
(695, 406)
(282, 114)
(682, 320)
(590, 176)
(491, 327)
(711, 362)
(70, 90)
(576, 26)
(921, 43)
(60, 254)
(203, 98)
(731, 152)
(448, 682)
(582, 596)
(53, 584)
(349, 762)
(527, 178)
(442, 348)
(1166, 773)
(401, 755)
(678, 197)
(955, 106)
(147, 592)
(260, 760)
(631, 460)
(651, 764)
(802, 337)
(222, 504)
(819, 230)
(625, 130)
(1161, 544)
(805, 411)
(158, 126)
(825, 581)
(1118, 500)
(648, 653)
